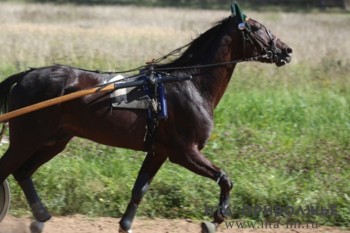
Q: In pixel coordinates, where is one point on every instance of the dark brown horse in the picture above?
(37, 137)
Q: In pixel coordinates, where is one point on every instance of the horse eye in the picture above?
(256, 28)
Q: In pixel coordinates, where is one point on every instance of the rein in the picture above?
(150, 66)
(267, 51)
(214, 65)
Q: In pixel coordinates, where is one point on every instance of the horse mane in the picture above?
(197, 51)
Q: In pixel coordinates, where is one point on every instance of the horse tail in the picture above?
(5, 90)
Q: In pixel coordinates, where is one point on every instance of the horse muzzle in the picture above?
(282, 57)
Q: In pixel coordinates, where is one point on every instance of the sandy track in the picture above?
(82, 224)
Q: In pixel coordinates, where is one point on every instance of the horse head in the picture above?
(258, 41)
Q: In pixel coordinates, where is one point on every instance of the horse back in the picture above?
(40, 84)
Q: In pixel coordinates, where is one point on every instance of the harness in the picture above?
(152, 83)
(158, 108)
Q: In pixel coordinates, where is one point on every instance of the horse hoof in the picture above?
(36, 227)
(124, 231)
(208, 227)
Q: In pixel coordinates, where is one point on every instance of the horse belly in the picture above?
(112, 127)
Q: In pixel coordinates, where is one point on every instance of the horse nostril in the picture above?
(289, 50)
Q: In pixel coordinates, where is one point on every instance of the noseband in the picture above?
(269, 49)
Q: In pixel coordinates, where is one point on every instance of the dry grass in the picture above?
(35, 35)
(114, 37)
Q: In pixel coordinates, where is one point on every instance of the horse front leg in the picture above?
(221, 213)
(148, 170)
(194, 160)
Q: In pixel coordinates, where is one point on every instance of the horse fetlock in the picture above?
(128, 218)
(125, 226)
(220, 216)
(40, 213)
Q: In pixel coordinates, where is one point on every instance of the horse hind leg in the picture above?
(13, 158)
(23, 177)
(195, 161)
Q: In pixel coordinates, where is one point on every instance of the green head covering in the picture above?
(236, 12)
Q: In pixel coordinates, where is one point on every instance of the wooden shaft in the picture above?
(57, 100)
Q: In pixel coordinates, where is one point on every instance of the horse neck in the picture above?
(213, 82)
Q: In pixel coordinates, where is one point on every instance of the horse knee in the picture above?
(224, 181)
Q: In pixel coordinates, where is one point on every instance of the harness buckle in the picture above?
(269, 54)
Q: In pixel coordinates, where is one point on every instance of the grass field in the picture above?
(282, 134)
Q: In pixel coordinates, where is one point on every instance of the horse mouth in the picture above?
(282, 60)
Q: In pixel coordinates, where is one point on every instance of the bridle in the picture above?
(263, 48)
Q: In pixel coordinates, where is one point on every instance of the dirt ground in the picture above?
(82, 224)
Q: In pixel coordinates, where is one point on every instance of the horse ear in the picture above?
(233, 10)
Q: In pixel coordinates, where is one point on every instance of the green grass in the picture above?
(283, 143)
(281, 134)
